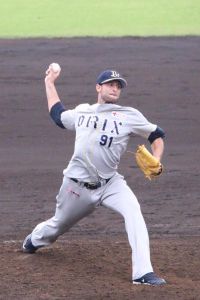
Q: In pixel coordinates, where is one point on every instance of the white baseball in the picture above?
(55, 67)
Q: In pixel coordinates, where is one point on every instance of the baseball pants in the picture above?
(74, 202)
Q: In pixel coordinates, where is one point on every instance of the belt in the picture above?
(91, 185)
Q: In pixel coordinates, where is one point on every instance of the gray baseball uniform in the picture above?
(91, 178)
(102, 134)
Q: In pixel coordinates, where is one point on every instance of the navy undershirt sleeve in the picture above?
(158, 133)
(56, 112)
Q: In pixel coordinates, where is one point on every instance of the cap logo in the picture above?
(114, 74)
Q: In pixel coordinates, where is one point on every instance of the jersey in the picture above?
(102, 135)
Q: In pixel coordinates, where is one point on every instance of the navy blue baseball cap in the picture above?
(111, 75)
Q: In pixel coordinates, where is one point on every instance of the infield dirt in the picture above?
(93, 260)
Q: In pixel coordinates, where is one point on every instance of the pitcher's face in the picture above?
(109, 92)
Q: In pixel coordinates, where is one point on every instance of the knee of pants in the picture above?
(50, 229)
(132, 208)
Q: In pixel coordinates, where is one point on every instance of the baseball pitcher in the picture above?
(91, 178)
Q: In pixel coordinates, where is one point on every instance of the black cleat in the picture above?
(28, 246)
(149, 279)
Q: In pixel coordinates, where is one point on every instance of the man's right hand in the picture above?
(51, 75)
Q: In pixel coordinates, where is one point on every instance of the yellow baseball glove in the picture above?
(148, 164)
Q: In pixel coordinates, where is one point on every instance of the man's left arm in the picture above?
(157, 148)
(157, 143)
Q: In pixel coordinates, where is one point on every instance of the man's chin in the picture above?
(111, 100)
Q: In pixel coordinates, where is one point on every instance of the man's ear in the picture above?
(98, 88)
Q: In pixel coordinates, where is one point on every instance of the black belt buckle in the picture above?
(92, 186)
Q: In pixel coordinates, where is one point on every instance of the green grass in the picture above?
(66, 18)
